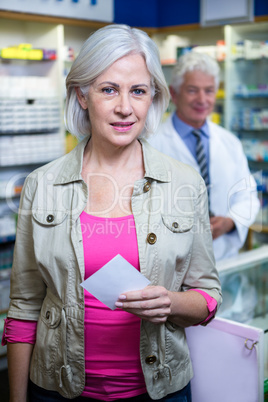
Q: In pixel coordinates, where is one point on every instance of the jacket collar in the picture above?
(154, 163)
(72, 166)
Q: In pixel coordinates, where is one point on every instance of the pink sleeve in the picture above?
(19, 331)
(211, 305)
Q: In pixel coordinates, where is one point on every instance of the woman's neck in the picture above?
(109, 159)
(110, 176)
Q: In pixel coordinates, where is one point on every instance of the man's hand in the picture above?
(220, 225)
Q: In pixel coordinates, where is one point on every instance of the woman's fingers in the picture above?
(151, 303)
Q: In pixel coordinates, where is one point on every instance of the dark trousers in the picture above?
(37, 394)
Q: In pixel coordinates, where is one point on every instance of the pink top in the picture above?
(112, 337)
(112, 358)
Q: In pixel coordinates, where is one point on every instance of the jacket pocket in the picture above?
(47, 350)
(178, 224)
(51, 237)
(51, 314)
(176, 247)
(49, 217)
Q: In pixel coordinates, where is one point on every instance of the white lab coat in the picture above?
(233, 189)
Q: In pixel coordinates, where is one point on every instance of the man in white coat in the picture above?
(233, 200)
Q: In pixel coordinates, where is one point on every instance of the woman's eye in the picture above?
(108, 91)
(138, 91)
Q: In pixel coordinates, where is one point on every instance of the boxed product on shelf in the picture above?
(237, 50)
(7, 226)
(168, 49)
(221, 50)
(262, 216)
(209, 50)
(261, 178)
(25, 51)
(255, 150)
(26, 87)
(11, 182)
(251, 91)
(8, 219)
(23, 116)
(254, 118)
(182, 50)
(250, 119)
(250, 49)
(253, 49)
(68, 53)
(29, 149)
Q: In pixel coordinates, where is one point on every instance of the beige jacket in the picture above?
(175, 251)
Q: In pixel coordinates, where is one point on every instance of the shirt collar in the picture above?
(184, 129)
(155, 167)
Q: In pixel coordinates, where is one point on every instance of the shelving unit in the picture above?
(31, 125)
(247, 105)
(25, 107)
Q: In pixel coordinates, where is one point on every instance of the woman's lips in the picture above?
(122, 126)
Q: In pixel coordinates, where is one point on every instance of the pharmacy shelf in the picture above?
(259, 228)
(246, 107)
(10, 197)
(28, 132)
(31, 116)
(250, 97)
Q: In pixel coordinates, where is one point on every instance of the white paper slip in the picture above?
(115, 277)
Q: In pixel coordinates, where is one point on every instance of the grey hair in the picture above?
(193, 61)
(99, 52)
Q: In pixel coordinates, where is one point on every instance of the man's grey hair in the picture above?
(194, 61)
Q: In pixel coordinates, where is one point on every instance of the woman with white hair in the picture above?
(113, 194)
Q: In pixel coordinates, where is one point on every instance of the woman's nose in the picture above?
(123, 106)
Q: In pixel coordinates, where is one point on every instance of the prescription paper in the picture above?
(114, 278)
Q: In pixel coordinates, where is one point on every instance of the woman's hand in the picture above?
(152, 303)
(157, 305)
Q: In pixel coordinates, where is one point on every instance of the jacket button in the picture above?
(175, 225)
(47, 315)
(50, 218)
(151, 238)
(151, 359)
(146, 186)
